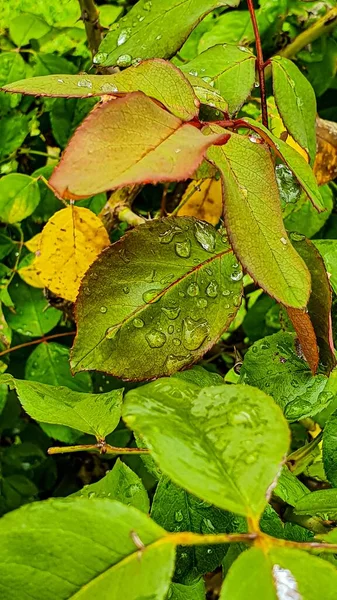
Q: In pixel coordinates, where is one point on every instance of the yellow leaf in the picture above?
(34, 243)
(325, 166)
(203, 200)
(70, 242)
(277, 128)
(30, 272)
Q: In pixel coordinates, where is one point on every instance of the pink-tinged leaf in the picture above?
(314, 327)
(253, 217)
(157, 78)
(126, 141)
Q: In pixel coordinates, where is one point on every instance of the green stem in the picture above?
(90, 17)
(323, 26)
(101, 447)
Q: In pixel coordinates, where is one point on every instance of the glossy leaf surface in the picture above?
(96, 414)
(152, 146)
(254, 220)
(161, 28)
(54, 537)
(164, 293)
(296, 102)
(70, 242)
(222, 65)
(276, 366)
(223, 443)
(156, 78)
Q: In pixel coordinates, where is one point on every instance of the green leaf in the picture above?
(13, 130)
(12, 68)
(296, 102)
(26, 27)
(154, 28)
(200, 376)
(274, 366)
(194, 591)
(121, 484)
(33, 316)
(167, 149)
(207, 95)
(322, 503)
(82, 548)
(6, 245)
(176, 510)
(66, 115)
(289, 488)
(304, 218)
(156, 78)
(148, 294)
(296, 163)
(279, 573)
(254, 220)
(46, 64)
(49, 363)
(329, 447)
(222, 65)
(328, 251)
(19, 197)
(222, 443)
(233, 27)
(96, 414)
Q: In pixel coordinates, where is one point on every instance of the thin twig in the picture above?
(100, 447)
(259, 63)
(38, 341)
(93, 29)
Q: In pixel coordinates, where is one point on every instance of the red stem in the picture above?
(259, 63)
(45, 338)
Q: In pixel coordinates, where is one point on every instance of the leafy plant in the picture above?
(202, 130)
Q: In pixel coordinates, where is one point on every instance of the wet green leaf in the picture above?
(275, 365)
(164, 293)
(289, 488)
(322, 503)
(156, 78)
(95, 534)
(220, 66)
(49, 363)
(96, 414)
(121, 484)
(222, 443)
(303, 217)
(329, 449)
(32, 315)
(176, 510)
(254, 220)
(194, 591)
(19, 197)
(279, 573)
(161, 27)
(296, 102)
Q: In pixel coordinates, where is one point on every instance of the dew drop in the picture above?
(178, 515)
(155, 338)
(183, 249)
(126, 289)
(193, 289)
(100, 57)
(110, 333)
(170, 329)
(151, 296)
(138, 323)
(212, 289)
(171, 312)
(167, 236)
(236, 275)
(205, 235)
(84, 83)
(123, 36)
(202, 302)
(194, 332)
(147, 5)
(109, 88)
(60, 81)
(176, 341)
(124, 60)
(175, 362)
(103, 309)
(284, 241)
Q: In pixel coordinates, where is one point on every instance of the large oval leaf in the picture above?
(152, 145)
(154, 28)
(82, 548)
(157, 78)
(156, 300)
(254, 220)
(222, 443)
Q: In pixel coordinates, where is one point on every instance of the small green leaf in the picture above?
(329, 449)
(164, 293)
(49, 363)
(322, 503)
(279, 573)
(96, 414)
(296, 163)
(194, 591)
(176, 510)
(328, 251)
(12, 68)
(82, 548)
(222, 65)
(32, 315)
(121, 484)
(66, 116)
(303, 217)
(223, 443)
(207, 94)
(254, 220)
(296, 102)
(289, 488)
(19, 197)
(154, 28)
(26, 27)
(157, 78)
(274, 366)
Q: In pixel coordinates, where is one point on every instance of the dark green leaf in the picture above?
(274, 366)
(328, 250)
(82, 547)
(12, 68)
(223, 443)
(154, 28)
(148, 294)
(330, 449)
(13, 130)
(289, 488)
(121, 484)
(96, 414)
(194, 591)
(322, 503)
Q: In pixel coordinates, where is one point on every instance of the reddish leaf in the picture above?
(316, 323)
(126, 141)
